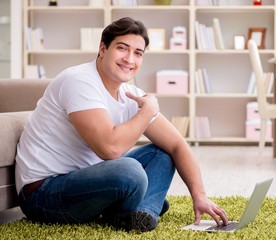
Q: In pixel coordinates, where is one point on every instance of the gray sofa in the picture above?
(18, 98)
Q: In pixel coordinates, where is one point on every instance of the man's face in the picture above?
(123, 59)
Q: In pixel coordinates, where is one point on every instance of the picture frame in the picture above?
(157, 39)
(258, 35)
(239, 42)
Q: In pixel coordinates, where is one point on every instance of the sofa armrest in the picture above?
(21, 94)
(11, 127)
(8, 195)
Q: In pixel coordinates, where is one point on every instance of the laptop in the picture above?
(253, 206)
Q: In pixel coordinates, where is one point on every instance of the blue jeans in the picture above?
(137, 181)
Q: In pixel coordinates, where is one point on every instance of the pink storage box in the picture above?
(173, 82)
(178, 44)
(179, 32)
(253, 128)
(252, 112)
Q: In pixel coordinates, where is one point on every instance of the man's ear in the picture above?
(102, 49)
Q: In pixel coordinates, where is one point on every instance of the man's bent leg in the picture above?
(82, 195)
(160, 169)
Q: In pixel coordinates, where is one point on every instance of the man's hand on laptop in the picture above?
(205, 205)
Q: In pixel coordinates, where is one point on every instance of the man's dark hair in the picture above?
(122, 27)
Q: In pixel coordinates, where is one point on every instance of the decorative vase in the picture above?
(163, 2)
(257, 3)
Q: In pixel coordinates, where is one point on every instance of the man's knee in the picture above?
(131, 173)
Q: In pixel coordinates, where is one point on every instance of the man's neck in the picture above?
(111, 86)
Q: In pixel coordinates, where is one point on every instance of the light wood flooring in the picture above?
(230, 171)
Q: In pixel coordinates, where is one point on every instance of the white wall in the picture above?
(16, 39)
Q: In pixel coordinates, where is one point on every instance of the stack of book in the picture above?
(202, 127)
(268, 83)
(209, 37)
(202, 81)
(124, 2)
(181, 123)
(90, 38)
(96, 3)
(34, 72)
(34, 39)
(212, 2)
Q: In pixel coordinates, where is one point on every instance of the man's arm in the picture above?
(163, 134)
(110, 141)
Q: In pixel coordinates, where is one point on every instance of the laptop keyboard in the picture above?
(229, 227)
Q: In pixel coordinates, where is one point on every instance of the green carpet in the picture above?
(180, 214)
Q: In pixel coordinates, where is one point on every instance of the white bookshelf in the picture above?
(228, 69)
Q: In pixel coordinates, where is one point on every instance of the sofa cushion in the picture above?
(21, 94)
(11, 127)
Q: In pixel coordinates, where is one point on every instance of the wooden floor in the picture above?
(230, 171)
(226, 171)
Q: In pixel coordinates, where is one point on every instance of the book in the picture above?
(28, 35)
(212, 2)
(202, 127)
(96, 3)
(202, 33)
(211, 38)
(218, 34)
(207, 83)
(197, 34)
(251, 84)
(203, 2)
(197, 84)
(201, 81)
(181, 123)
(85, 43)
(205, 121)
(39, 38)
(268, 81)
(124, 2)
(41, 72)
(90, 38)
(35, 72)
(34, 38)
(31, 72)
(204, 36)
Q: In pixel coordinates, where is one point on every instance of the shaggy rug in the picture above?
(169, 227)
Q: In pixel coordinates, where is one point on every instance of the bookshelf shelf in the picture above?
(227, 139)
(64, 8)
(59, 51)
(151, 7)
(228, 69)
(231, 9)
(171, 96)
(225, 95)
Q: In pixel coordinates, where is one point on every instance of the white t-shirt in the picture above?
(49, 144)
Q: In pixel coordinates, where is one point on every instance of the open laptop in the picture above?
(253, 206)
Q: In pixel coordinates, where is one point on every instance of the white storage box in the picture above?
(173, 82)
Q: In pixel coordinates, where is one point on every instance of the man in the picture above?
(75, 161)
